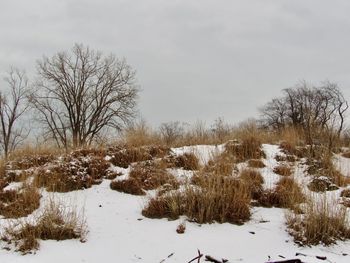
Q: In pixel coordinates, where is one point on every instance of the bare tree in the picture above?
(316, 110)
(12, 106)
(81, 93)
(171, 131)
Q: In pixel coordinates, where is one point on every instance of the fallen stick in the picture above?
(198, 257)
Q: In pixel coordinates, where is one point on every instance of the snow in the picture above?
(203, 152)
(119, 233)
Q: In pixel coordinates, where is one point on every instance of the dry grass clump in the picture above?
(256, 163)
(55, 223)
(322, 223)
(145, 176)
(323, 167)
(253, 180)
(123, 157)
(222, 164)
(286, 194)
(26, 162)
(19, 203)
(187, 161)
(216, 198)
(71, 173)
(248, 148)
(282, 170)
(286, 158)
(293, 150)
(345, 193)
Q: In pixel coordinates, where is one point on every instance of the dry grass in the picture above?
(187, 161)
(282, 170)
(286, 194)
(145, 176)
(19, 203)
(56, 223)
(256, 163)
(222, 165)
(215, 198)
(248, 148)
(125, 156)
(72, 173)
(323, 166)
(254, 180)
(322, 223)
(345, 193)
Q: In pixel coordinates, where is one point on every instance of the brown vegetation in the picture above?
(54, 223)
(145, 176)
(256, 163)
(286, 194)
(282, 170)
(19, 203)
(220, 199)
(322, 222)
(71, 173)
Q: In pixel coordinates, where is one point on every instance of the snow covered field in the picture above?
(119, 233)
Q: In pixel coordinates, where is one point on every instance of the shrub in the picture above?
(71, 173)
(322, 222)
(56, 223)
(282, 170)
(19, 203)
(220, 199)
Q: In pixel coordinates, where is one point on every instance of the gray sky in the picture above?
(195, 60)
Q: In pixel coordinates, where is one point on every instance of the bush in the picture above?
(72, 173)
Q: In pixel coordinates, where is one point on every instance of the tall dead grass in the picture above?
(323, 222)
(19, 203)
(56, 222)
(145, 176)
(214, 198)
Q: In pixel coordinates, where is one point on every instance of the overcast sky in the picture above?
(195, 60)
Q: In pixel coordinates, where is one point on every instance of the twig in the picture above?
(198, 257)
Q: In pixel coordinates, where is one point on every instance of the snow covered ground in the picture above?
(119, 233)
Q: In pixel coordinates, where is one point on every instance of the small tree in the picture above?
(12, 106)
(81, 93)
